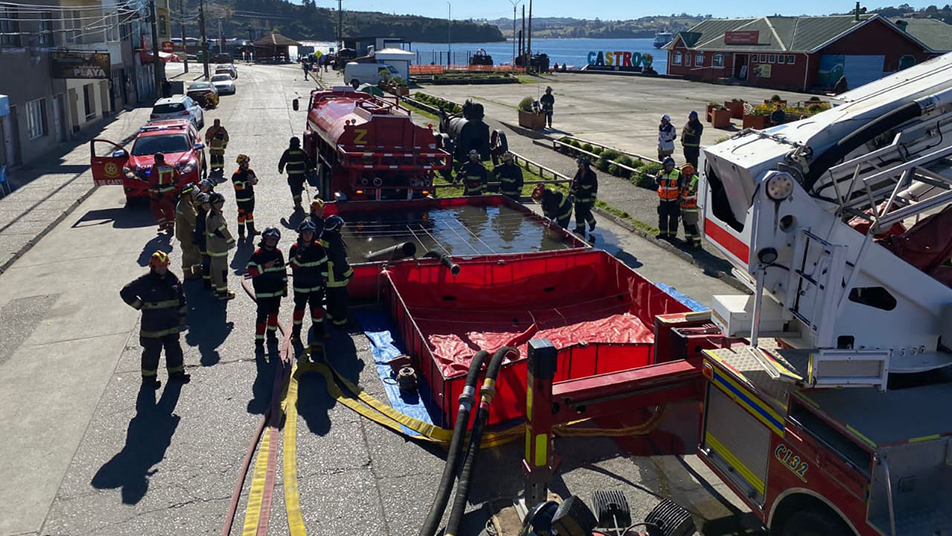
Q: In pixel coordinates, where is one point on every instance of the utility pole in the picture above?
(522, 40)
(514, 4)
(184, 43)
(340, 28)
(449, 29)
(156, 61)
(529, 41)
(201, 22)
(221, 42)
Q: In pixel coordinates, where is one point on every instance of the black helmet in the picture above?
(295, 141)
(188, 187)
(271, 232)
(333, 224)
(583, 160)
(306, 225)
(159, 156)
(668, 161)
(202, 198)
(216, 198)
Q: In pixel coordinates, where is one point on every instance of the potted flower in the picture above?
(775, 100)
(721, 117)
(529, 114)
(399, 87)
(736, 106)
(757, 117)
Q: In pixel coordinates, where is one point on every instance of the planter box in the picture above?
(534, 121)
(736, 108)
(722, 118)
(710, 108)
(401, 91)
(774, 103)
(759, 122)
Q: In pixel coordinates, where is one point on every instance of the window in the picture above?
(717, 60)
(75, 24)
(699, 59)
(89, 101)
(781, 58)
(687, 59)
(790, 59)
(753, 58)
(677, 58)
(47, 37)
(9, 27)
(112, 27)
(174, 143)
(771, 58)
(763, 58)
(36, 118)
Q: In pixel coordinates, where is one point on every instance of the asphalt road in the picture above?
(88, 452)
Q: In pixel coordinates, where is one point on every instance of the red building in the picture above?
(797, 53)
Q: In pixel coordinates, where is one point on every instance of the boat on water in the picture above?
(662, 38)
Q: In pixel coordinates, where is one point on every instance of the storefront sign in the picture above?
(89, 65)
(748, 37)
(619, 61)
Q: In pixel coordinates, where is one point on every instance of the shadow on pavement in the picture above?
(147, 438)
(265, 364)
(206, 311)
(119, 218)
(314, 402)
(295, 220)
(161, 241)
(243, 251)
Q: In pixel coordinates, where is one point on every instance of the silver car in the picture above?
(227, 69)
(179, 107)
(224, 83)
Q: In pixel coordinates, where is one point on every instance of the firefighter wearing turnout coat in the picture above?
(509, 176)
(269, 275)
(585, 192)
(186, 218)
(669, 190)
(473, 175)
(203, 207)
(244, 179)
(555, 206)
(297, 163)
(217, 242)
(339, 272)
(687, 201)
(162, 193)
(308, 262)
(159, 295)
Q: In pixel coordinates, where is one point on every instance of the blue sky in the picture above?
(609, 9)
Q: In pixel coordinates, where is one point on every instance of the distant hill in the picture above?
(614, 29)
(243, 18)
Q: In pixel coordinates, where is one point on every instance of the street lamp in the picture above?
(515, 4)
(449, 29)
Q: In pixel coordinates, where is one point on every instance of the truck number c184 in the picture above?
(791, 461)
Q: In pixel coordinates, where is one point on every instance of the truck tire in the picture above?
(814, 522)
(355, 83)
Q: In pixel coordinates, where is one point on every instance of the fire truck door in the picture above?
(106, 161)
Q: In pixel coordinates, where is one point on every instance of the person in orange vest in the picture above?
(688, 204)
(162, 193)
(669, 190)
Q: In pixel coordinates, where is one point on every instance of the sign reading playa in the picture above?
(619, 60)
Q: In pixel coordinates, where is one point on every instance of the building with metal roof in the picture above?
(803, 53)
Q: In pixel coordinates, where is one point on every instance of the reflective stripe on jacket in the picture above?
(217, 238)
(161, 300)
(295, 160)
(668, 189)
(688, 197)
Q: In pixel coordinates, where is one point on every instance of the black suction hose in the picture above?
(857, 138)
(445, 260)
(487, 392)
(466, 401)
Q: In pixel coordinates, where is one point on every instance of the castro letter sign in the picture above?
(619, 61)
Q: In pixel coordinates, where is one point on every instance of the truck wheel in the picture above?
(355, 83)
(815, 522)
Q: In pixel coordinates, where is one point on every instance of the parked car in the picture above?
(223, 57)
(224, 83)
(178, 107)
(204, 93)
(178, 140)
(227, 69)
(367, 73)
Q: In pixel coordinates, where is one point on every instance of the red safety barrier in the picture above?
(593, 307)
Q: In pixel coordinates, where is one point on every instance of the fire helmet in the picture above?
(159, 258)
(538, 192)
(295, 141)
(666, 117)
(159, 157)
(206, 184)
(202, 198)
(306, 225)
(692, 115)
(687, 169)
(583, 160)
(473, 152)
(188, 188)
(507, 157)
(216, 198)
(242, 159)
(333, 224)
(668, 161)
(271, 232)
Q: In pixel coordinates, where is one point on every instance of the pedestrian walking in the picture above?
(308, 262)
(669, 190)
(548, 105)
(244, 180)
(666, 136)
(297, 163)
(688, 204)
(555, 205)
(218, 241)
(162, 193)
(185, 221)
(509, 176)
(198, 238)
(306, 67)
(473, 175)
(159, 295)
(269, 276)
(584, 191)
(339, 272)
(691, 139)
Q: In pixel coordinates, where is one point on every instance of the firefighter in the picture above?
(317, 215)
(339, 272)
(509, 176)
(199, 239)
(185, 221)
(162, 193)
(216, 149)
(473, 174)
(218, 241)
(308, 262)
(548, 105)
(269, 275)
(297, 162)
(244, 179)
(585, 191)
(687, 199)
(206, 186)
(669, 189)
(691, 139)
(555, 206)
(666, 136)
(159, 295)
(214, 130)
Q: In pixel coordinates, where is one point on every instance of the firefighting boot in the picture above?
(151, 382)
(296, 334)
(251, 230)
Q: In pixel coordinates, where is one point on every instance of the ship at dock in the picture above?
(662, 38)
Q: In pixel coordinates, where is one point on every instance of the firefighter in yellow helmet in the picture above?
(244, 180)
(186, 217)
(159, 295)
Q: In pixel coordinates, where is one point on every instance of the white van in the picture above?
(356, 74)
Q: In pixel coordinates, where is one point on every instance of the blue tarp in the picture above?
(683, 298)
